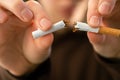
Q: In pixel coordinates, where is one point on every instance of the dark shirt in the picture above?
(72, 58)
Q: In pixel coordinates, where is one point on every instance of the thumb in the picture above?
(97, 9)
(105, 7)
(37, 50)
(94, 19)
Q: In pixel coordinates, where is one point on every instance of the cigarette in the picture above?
(57, 26)
(102, 30)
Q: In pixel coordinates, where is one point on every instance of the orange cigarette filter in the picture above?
(109, 31)
(102, 30)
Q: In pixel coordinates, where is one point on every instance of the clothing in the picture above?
(72, 58)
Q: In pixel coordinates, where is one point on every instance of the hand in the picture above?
(107, 46)
(19, 52)
(65, 9)
(104, 13)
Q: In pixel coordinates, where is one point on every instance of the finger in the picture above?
(96, 38)
(105, 7)
(3, 16)
(93, 17)
(17, 7)
(40, 17)
(37, 50)
(95, 20)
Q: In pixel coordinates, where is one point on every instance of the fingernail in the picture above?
(45, 23)
(95, 21)
(105, 8)
(26, 14)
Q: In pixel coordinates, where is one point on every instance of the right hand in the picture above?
(19, 52)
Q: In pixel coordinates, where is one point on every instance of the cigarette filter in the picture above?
(57, 26)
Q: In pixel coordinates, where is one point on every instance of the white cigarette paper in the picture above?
(85, 27)
(57, 26)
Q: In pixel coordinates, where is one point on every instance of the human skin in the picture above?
(19, 52)
(18, 46)
(105, 45)
(65, 9)
(104, 13)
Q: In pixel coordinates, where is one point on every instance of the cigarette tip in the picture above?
(35, 34)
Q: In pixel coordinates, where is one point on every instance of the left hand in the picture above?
(104, 13)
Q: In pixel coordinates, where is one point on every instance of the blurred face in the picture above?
(60, 9)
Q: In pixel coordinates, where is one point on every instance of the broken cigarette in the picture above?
(78, 26)
(102, 30)
(57, 26)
